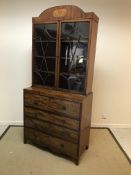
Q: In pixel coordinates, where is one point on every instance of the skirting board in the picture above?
(17, 123)
(107, 125)
(101, 125)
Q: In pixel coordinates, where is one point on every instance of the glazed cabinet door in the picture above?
(74, 39)
(44, 54)
(60, 55)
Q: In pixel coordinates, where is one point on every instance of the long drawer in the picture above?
(51, 117)
(55, 144)
(52, 129)
(52, 104)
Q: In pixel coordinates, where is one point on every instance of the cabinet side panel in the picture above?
(24, 134)
(85, 123)
(92, 49)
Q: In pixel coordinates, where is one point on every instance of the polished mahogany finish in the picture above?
(57, 108)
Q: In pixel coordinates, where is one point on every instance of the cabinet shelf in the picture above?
(75, 75)
(41, 71)
(62, 41)
(68, 58)
(45, 41)
(45, 57)
(75, 41)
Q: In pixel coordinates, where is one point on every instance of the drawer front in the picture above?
(51, 129)
(51, 117)
(52, 143)
(53, 104)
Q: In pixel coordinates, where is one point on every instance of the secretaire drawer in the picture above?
(52, 104)
(51, 117)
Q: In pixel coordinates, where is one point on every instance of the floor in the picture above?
(2, 129)
(123, 136)
(103, 157)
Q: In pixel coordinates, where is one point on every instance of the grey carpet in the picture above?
(103, 157)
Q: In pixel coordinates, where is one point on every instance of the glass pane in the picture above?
(73, 61)
(44, 54)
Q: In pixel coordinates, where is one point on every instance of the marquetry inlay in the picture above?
(59, 13)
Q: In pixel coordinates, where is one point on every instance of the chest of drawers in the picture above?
(57, 122)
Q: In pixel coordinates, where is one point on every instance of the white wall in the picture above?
(112, 76)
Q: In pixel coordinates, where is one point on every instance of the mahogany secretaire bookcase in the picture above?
(57, 107)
